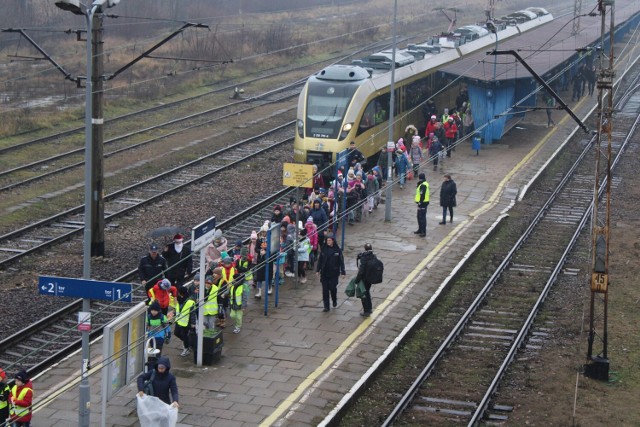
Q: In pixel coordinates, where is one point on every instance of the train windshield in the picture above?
(327, 103)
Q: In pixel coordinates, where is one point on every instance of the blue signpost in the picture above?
(82, 288)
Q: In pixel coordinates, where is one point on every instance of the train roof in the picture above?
(342, 73)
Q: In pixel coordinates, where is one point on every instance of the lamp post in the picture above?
(77, 8)
(391, 143)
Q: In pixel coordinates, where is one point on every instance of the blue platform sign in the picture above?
(341, 162)
(82, 288)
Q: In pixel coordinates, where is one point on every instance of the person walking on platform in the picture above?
(157, 325)
(160, 383)
(21, 400)
(402, 164)
(448, 193)
(422, 200)
(364, 261)
(151, 268)
(450, 133)
(330, 267)
(434, 152)
(5, 394)
(186, 317)
(550, 104)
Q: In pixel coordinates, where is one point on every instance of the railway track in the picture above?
(131, 141)
(457, 384)
(181, 119)
(54, 337)
(63, 226)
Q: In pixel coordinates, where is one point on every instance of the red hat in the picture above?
(178, 237)
(3, 375)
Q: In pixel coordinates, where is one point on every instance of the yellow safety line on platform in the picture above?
(358, 332)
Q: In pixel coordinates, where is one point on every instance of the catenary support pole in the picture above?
(388, 193)
(97, 140)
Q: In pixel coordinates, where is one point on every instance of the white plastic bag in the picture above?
(153, 412)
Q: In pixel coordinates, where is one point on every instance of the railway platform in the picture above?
(294, 366)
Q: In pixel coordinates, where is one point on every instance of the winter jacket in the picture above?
(304, 247)
(364, 262)
(151, 268)
(164, 384)
(416, 154)
(371, 187)
(448, 193)
(319, 217)
(164, 298)
(22, 398)
(450, 130)
(431, 127)
(180, 264)
(312, 234)
(402, 164)
(213, 251)
(330, 262)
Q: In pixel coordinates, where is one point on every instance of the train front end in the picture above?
(322, 126)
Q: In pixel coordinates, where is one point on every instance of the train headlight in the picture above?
(300, 128)
(346, 128)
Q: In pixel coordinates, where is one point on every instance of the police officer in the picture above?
(422, 200)
(151, 268)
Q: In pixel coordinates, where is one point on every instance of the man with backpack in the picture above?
(370, 272)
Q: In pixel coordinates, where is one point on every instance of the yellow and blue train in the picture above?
(344, 103)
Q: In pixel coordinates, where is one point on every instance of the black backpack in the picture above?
(374, 271)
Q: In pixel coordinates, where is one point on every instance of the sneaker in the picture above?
(270, 291)
(185, 352)
(289, 274)
(303, 280)
(258, 294)
(236, 330)
(369, 210)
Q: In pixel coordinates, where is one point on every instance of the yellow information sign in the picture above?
(599, 282)
(296, 174)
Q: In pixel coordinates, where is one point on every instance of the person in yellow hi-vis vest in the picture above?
(211, 297)
(185, 319)
(5, 393)
(21, 400)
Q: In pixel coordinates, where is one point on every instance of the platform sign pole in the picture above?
(201, 236)
(267, 274)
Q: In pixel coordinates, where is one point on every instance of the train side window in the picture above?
(376, 112)
(367, 120)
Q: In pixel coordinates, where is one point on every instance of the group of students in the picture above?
(16, 401)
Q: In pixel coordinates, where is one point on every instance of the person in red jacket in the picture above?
(431, 126)
(21, 400)
(166, 295)
(450, 133)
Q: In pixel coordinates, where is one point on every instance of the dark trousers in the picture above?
(182, 332)
(448, 144)
(367, 307)
(329, 286)
(444, 213)
(422, 220)
(301, 266)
